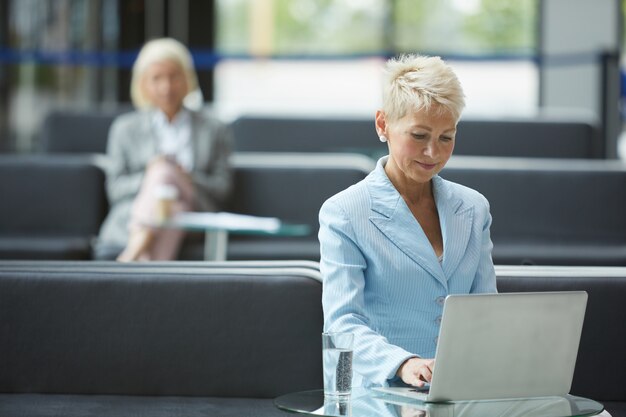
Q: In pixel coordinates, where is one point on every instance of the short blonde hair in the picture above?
(414, 82)
(157, 50)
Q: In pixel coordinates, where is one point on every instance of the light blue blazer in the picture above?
(382, 279)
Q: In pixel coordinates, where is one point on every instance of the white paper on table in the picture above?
(225, 221)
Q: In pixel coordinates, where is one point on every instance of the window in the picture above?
(325, 56)
(466, 27)
(300, 27)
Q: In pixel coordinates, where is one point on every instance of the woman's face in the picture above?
(165, 85)
(420, 143)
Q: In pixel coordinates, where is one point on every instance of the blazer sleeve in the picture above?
(343, 268)
(485, 278)
(122, 182)
(214, 183)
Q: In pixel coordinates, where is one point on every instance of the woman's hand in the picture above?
(157, 161)
(416, 371)
(164, 169)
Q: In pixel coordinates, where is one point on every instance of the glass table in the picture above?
(217, 226)
(367, 403)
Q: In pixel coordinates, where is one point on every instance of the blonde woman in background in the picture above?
(162, 150)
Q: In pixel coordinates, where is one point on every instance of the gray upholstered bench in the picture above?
(107, 339)
(220, 339)
(550, 212)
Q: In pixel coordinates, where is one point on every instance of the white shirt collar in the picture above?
(181, 118)
(174, 138)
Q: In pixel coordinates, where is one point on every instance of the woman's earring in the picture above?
(382, 138)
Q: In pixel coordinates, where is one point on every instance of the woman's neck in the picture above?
(170, 114)
(411, 191)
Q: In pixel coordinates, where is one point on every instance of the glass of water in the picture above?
(337, 362)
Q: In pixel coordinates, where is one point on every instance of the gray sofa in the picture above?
(104, 339)
(51, 207)
(545, 211)
(63, 131)
(548, 211)
(81, 339)
(78, 131)
(291, 187)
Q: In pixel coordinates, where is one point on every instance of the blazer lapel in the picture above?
(200, 142)
(456, 225)
(393, 218)
(148, 137)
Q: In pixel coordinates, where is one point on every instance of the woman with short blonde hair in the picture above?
(412, 82)
(394, 245)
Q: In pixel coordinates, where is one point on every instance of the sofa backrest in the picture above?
(86, 131)
(535, 138)
(231, 330)
(293, 187)
(74, 131)
(293, 134)
(575, 204)
(530, 137)
(51, 196)
(600, 367)
(541, 198)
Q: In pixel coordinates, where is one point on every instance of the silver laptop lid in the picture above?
(509, 345)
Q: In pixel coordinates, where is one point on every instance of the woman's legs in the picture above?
(147, 243)
(139, 240)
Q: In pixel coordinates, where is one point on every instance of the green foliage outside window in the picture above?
(466, 27)
(318, 27)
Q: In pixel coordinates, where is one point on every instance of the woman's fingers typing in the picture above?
(416, 371)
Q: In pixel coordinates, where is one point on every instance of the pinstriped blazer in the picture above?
(382, 278)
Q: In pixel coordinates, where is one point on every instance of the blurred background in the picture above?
(523, 58)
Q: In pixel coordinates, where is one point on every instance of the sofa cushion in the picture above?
(274, 248)
(45, 247)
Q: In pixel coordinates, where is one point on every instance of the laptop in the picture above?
(500, 346)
